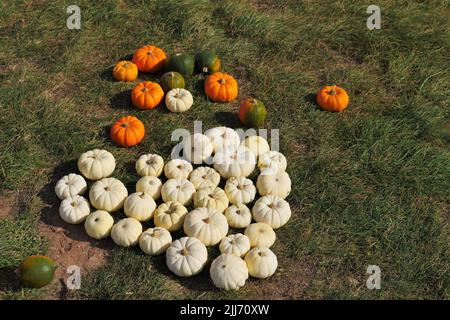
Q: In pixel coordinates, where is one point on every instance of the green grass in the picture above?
(370, 185)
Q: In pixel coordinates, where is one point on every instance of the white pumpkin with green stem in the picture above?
(214, 198)
(170, 215)
(272, 210)
(149, 165)
(203, 177)
(261, 262)
(139, 206)
(228, 272)
(186, 256)
(98, 224)
(155, 241)
(206, 224)
(177, 169)
(180, 190)
(238, 216)
(260, 235)
(96, 164)
(126, 232)
(179, 100)
(149, 185)
(70, 185)
(278, 184)
(240, 190)
(108, 194)
(74, 209)
(237, 244)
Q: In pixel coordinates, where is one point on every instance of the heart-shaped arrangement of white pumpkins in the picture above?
(191, 200)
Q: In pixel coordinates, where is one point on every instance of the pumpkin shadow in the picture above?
(311, 98)
(106, 74)
(122, 100)
(227, 119)
(9, 279)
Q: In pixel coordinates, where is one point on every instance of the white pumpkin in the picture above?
(257, 144)
(197, 148)
(170, 215)
(177, 169)
(234, 162)
(206, 224)
(96, 164)
(240, 190)
(237, 244)
(149, 165)
(149, 185)
(108, 194)
(272, 210)
(260, 235)
(204, 177)
(70, 185)
(179, 100)
(211, 198)
(261, 262)
(180, 190)
(238, 216)
(154, 241)
(272, 160)
(139, 206)
(223, 137)
(186, 256)
(74, 209)
(98, 224)
(278, 184)
(228, 272)
(126, 232)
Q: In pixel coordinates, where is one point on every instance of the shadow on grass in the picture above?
(228, 119)
(311, 98)
(122, 101)
(9, 279)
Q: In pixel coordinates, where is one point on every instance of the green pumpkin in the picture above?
(37, 271)
(252, 112)
(207, 62)
(171, 80)
(182, 63)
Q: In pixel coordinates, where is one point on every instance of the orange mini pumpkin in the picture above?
(149, 58)
(147, 95)
(332, 98)
(221, 87)
(125, 71)
(127, 131)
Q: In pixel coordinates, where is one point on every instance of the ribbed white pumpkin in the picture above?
(214, 198)
(278, 184)
(238, 216)
(179, 100)
(186, 256)
(234, 162)
(206, 224)
(96, 164)
(139, 206)
(203, 177)
(272, 210)
(149, 165)
(74, 209)
(197, 148)
(228, 272)
(237, 244)
(170, 215)
(180, 190)
(177, 169)
(272, 160)
(70, 185)
(155, 241)
(260, 235)
(126, 232)
(223, 137)
(261, 262)
(108, 194)
(257, 144)
(98, 224)
(240, 190)
(149, 185)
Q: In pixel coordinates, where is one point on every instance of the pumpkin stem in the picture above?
(332, 92)
(205, 69)
(144, 90)
(221, 81)
(207, 220)
(184, 252)
(253, 101)
(124, 125)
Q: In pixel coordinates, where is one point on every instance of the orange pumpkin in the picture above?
(125, 71)
(332, 98)
(127, 131)
(221, 87)
(147, 95)
(149, 58)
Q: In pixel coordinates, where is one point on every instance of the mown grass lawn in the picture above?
(370, 185)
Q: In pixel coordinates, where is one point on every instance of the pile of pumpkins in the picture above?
(192, 201)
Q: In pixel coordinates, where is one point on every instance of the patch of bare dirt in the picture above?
(8, 204)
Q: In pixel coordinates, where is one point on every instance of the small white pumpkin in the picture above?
(170, 215)
(240, 190)
(96, 164)
(98, 224)
(149, 165)
(126, 232)
(186, 256)
(278, 184)
(228, 272)
(154, 241)
(74, 209)
(234, 162)
(180, 190)
(179, 100)
(197, 148)
(149, 185)
(70, 185)
(108, 194)
(272, 210)
(272, 160)
(223, 137)
(204, 177)
(238, 216)
(211, 198)
(261, 262)
(139, 206)
(237, 244)
(177, 169)
(206, 224)
(257, 144)
(260, 235)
